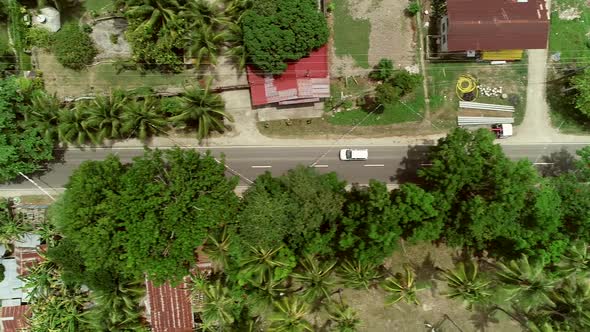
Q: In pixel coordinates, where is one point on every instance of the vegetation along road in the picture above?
(385, 163)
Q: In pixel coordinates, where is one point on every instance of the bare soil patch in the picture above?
(107, 31)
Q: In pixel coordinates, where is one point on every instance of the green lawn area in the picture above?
(98, 5)
(443, 77)
(351, 36)
(570, 37)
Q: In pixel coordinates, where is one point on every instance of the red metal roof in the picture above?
(18, 323)
(169, 308)
(493, 25)
(26, 258)
(303, 80)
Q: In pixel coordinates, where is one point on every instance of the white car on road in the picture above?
(354, 154)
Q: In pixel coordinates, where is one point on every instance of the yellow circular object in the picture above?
(466, 84)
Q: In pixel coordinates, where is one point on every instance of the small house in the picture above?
(494, 29)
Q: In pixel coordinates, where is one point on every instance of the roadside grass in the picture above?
(570, 36)
(442, 79)
(102, 78)
(351, 36)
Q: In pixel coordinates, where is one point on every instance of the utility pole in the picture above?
(36, 185)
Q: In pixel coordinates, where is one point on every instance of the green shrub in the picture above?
(382, 71)
(413, 8)
(72, 47)
(2, 269)
(386, 94)
(39, 37)
(114, 38)
(405, 81)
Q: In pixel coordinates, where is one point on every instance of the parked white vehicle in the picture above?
(354, 154)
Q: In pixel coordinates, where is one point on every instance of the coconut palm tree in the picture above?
(44, 114)
(205, 13)
(204, 44)
(260, 265)
(401, 287)
(526, 283)
(344, 316)
(217, 249)
(359, 275)
(143, 118)
(316, 278)
(571, 305)
(290, 316)
(234, 41)
(72, 126)
(203, 110)
(118, 309)
(12, 227)
(155, 15)
(218, 306)
(234, 9)
(576, 260)
(104, 115)
(467, 284)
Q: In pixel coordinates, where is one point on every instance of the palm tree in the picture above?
(104, 115)
(260, 265)
(218, 306)
(290, 316)
(44, 114)
(344, 316)
(316, 278)
(571, 309)
(12, 228)
(155, 15)
(204, 44)
(576, 260)
(466, 284)
(234, 41)
(73, 128)
(234, 9)
(48, 232)
(526, 283)
(205, 13)
(118, 309)
(143, 118)
(202, 109)
(217, 249)
(401, 287)
(359, 275)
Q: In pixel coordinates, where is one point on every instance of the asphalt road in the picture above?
(390, 164)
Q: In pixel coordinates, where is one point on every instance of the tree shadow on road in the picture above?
(557, 163)
(416, 158)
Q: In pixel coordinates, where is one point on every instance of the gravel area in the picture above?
(101, 34)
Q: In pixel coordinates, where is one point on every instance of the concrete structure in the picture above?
(47, 18)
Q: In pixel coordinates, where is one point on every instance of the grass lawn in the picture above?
(570, 37)
(351, 36)
(564, 115)
(98, 5)
(443, 77)
(102, 78)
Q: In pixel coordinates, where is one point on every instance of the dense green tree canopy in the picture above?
(23, 148)
(488, 201)
(297, 209)
(148, 216)
(276, 31)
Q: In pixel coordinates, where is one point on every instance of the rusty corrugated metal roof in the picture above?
(169, 308)
(493, 25)
(14, 318)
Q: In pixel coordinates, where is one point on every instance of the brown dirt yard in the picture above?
(391, 36)
(403, 317)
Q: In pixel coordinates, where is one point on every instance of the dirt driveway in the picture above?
(391, 36)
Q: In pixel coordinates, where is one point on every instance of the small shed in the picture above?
(47, 18)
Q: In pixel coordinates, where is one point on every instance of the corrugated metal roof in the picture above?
(497, 25)
(11, 286)
(297, 82)
(18, 314)
(169, 308)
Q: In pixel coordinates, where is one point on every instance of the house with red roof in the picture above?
(13, 318)
(306, 80)
(497, 29)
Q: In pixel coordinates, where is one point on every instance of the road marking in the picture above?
(320, 166)
(374, 165)
(264, 166)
